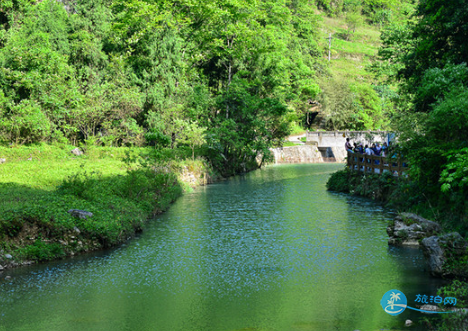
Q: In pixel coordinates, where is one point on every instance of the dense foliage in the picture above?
(230, 75)
(127, 73)
(427, 56)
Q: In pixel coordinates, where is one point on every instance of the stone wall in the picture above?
(308, 154)
(326, 146)
(297, 154)
(338, 138)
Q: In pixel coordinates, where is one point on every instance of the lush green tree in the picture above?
(35, 69)
(427, 57)
(439, 37)
(353, 20)
(337, 100)
(367, 108)
(125, 72)
(192, 135)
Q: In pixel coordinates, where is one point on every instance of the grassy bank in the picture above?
(121, 187)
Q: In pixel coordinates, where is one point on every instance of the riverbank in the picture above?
(396, 193)
(120, 188)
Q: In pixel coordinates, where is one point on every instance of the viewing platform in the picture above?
(376, 164)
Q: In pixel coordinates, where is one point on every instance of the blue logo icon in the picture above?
(394, 302)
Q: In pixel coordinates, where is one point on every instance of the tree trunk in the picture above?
(230, 42)
(227, 90)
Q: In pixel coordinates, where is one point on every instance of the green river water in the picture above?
(271, 250)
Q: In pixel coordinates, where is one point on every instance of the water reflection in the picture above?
(271, 250)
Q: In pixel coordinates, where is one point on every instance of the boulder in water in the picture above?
(441, 252)
(409, 229)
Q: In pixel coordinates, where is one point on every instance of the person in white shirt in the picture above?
(369, 151)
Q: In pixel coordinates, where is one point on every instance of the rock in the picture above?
(408, 229)
(408, 322)
(8, 256)
(1, 268)
(462, 311)
(436, 249)
(77, 231)
(434, 255)
(80, 213)
(8, 277)
(76, 152)
(2, 161)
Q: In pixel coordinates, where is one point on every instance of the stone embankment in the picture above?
(308, 153)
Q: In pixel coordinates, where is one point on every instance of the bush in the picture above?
(374, 186)
(458, 321)
(339, 181)
(41, 251)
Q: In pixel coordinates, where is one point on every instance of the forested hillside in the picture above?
(232, 76)
(426, 58)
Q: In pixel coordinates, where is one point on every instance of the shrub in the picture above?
(41, 251)
(458, 321)
(339, 181)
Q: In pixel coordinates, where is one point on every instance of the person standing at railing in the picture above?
(348, 146)
(369, 150)
(376, 152)
(378, 149)
(361, 150)
(384, 150)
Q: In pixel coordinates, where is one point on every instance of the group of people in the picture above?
(374, 149)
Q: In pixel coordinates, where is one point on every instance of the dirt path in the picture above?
(296, 139)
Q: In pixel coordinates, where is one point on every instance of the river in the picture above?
(271, 250)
